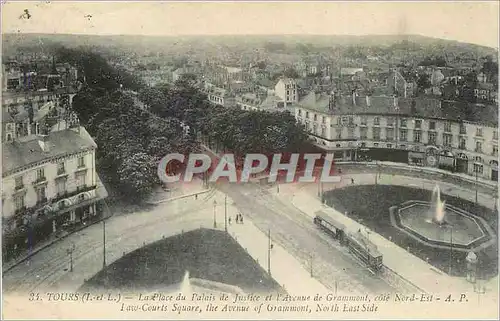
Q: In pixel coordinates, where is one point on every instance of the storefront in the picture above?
(462, 163)
(446, 161)
(494, 170)
(416, 158)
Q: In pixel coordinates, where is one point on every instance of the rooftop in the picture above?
(422, 107)
(35, 148)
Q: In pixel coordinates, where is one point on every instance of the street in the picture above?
(333, 266)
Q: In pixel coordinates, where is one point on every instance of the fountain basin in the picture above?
(460, 230)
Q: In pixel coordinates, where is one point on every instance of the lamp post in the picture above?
(269, 248)
(215, 221)
(225, 213)
(451, 250)
(104, 243)
(70, 253)
(476, 184)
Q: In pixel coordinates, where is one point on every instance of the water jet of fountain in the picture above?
(186, 285)
(437, 206)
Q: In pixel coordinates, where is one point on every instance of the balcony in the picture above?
(40, 180)
(80, 189)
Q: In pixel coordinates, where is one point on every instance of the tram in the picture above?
(357, 243)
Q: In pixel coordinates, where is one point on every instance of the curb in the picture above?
(177, 197)
(24, 259)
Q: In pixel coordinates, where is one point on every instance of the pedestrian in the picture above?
(229, 220)
(195, 196)
(241, 219)
(352, 180)
(237, 218)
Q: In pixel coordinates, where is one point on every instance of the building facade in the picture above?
(286, 89)
(49, 183)
(404, 130)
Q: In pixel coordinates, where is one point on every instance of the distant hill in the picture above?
(12, 42)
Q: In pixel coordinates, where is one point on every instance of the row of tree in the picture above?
(132, 140)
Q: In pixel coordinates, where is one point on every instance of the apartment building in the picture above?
(425, 132)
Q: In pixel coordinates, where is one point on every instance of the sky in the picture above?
(473, 22)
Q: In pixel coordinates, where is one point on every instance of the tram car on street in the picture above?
(357, 243)
(365, 250)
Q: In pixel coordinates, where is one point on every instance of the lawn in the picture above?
(369, 205)
(207, 254)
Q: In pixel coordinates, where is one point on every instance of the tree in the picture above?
(423, 82)
(291, 73)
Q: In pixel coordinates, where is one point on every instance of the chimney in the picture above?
(368, 100)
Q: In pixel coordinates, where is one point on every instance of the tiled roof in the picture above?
(22, 153)
(423, 107)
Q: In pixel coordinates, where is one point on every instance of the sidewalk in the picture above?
(424, 171)
(405, 264)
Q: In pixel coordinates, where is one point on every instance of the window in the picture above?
(299, 112)
(60, 168)
(40, 195)
(376, 121)
(479, 147)
(80, 181)
(390, 134)
(462, 144)
(323, 120)
(478, 168)
(432, 125)
(19, 202)
(81, 162)
(417, 136)
(339, 134)
(350, 133)
(323, 131)
(339, 121)
(447, 127)
(363, 132)
(9, 137)
(390, 121)
(351, 120)
(495, 134)
(288, 92)
(403, 122)
(403, 135)
(463, 129)
(307, 114)
(376, 133)
(363, 120)
(432, 138)
(495, 150)
(447, 138)
(479, 132)
(315, 117)
(418, 123)
(40, 174)
(19, 182)
(61, 187)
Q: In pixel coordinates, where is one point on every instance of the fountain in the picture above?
(437, 207)
(186, 285)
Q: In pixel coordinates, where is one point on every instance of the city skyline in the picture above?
(446, 20)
